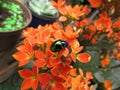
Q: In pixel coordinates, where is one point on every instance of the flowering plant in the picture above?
(63, 53)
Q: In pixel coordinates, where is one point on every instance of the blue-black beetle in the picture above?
(58, 45)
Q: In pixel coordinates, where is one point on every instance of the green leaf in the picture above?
(13, 83)
(113, 75)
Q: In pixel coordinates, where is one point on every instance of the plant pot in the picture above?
(40, 19)
(8, 39)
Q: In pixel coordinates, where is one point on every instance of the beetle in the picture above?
(58, 45)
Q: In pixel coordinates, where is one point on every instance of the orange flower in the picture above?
(77, 81)
(30, 78)
(91, 28)
(49, 82)
(105, 62)
(43, 35)
(108, 84)
(90, 32)
(25, 53)
(84, 57)
(56, 84)
(73, 72)
(76, 48)
(40, 58)
(84, 22)
(89, 75)
(118, 55)
(44, 79)
(55, 48)
(61, 70)
(52, 61)
(77, 11)
(52, 58)
(67, 10)
(30, 32)
(58, 34)
(94, 41)
(58, 4)
(73, 11)
(116, 24)
(95, 3)
(104, 22)
(69, 33)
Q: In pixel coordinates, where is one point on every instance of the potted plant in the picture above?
(43, 12)
(73, 53)
(14, 17)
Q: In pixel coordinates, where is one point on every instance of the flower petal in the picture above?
(73, 72)
(22, 63)
(65, 71)
(25, 73)
(35, 70)
(55, 70)
(39, 54)
(44, 78)
(62, 18)
(35, 84)
(39, 63)
(26, 84)
(73, 57)
(20, 56)
(89, 75)
(57, 86)
(83, 57)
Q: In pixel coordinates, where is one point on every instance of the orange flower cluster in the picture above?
(54, 66)
(53, 48)
(71, 12)
(38, 41)
(78, 82)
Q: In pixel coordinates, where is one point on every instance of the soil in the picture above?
(3, 15)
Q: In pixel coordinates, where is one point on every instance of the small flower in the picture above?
(69, 33)
(56, 84)
(78, 82)
(108, 84)
(44, 79)
(83, 22)
(58, 4)
(30, 78)
(95, 3)
(40, 58)
(104, 22)
(25, 53)
(60, 70)
(105, 62)
(76, 11)
(116, 24)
